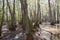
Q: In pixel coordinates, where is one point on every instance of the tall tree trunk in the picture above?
(13, 23)
(13, 20)
(7, 14)
(57, 14)
(54, 15)
(50, 12)
(39, 12)
(38, 9)
(27, 24)
(2, 17)
(35, 12)
(24, 13)
(9, 7)
(34, 15)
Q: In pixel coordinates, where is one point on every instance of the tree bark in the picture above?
(2, 17)
(57, 14)
(50, 12)
(39, 12)
(13, 22)
(9, 7)
(54, 15)
(7, 14)
(27, 24)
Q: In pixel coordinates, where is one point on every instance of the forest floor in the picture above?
(50, 32)
(47, 31)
